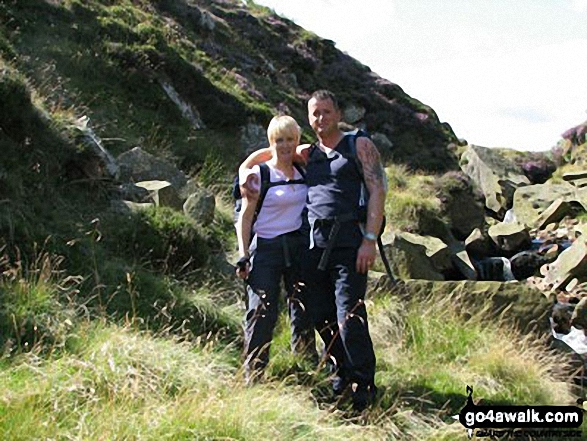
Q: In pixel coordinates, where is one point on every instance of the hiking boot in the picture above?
(339, 385)
(363, 396)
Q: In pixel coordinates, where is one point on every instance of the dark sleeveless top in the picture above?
(334, 189)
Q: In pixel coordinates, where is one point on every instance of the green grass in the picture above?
(119, 382)
(410, 198)
(129, 327)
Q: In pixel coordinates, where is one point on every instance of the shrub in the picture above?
(165, 238)
(35, 302)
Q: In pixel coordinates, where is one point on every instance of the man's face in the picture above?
(323, 116)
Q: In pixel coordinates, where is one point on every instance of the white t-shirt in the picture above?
(282, 207)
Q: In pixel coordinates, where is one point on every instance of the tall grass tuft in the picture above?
(37, 301)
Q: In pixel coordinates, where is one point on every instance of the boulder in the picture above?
(416, 257)
(461, 260)
(253, 137)
(127, 207)
(479, 245)
(531, 201)
(554, 213)
(136, 165)
(527, 264)
(461, 203)
(383, 144)
(510, 237)
(571, 263)
(579, 317)
(352, 114)
(132, 192)
(200, 206)
(162, 193)
(495, 269)
(494, 174)
(514, 302)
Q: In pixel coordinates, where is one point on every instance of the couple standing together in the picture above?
(310, 233)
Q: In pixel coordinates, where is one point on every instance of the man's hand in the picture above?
(366, 256)
(302, 153)
(250, 188)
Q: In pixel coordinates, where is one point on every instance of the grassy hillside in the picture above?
(127, 326)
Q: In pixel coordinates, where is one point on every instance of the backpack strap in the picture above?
(265, 184)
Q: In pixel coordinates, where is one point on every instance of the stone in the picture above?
(162, 193)
(551, 252)
(253, 137)
(496, 176)
(561, 315)
(579, 316)
(479, 245)
(571, 263)
(510, 237)
(526, 264)
(201, 206)
(415, 257)
(495, 269)
(572, 285)
(532, 201)
(554, 213)
(127, 207)
(383, 144)
(136, 165)
(353, 113)
(461, 260)
(516, 303)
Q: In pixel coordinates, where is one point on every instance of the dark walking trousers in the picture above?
(273, 261)
(335, 300)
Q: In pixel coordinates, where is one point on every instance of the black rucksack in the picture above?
(266, 184)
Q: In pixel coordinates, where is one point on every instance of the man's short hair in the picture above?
(324, 94)
(283, 124)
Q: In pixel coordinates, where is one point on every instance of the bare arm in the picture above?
(244, 224)
(374, 176)
(256, 158)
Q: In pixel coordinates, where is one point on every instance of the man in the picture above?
(342, 246)
(337, 281)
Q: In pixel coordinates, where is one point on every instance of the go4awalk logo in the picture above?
(497, 421)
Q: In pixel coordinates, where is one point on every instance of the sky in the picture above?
(502, 73)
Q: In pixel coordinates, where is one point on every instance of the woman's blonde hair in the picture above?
(283, 124)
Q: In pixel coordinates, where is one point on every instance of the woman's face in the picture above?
(284, 145)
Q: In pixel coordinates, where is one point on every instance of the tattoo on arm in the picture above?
(372, 167)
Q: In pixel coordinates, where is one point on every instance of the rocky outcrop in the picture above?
(532, 201)
(497, 177)
(136, 165)
(514, 302)
(509, 237)
(200, 206)
(162, 193)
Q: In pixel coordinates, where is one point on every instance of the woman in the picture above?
(270, 246)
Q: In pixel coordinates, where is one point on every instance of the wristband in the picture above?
(242, 263)
(370, 236)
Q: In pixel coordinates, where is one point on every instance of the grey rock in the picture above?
(510, 237)
(253, 137)
(353, 114)
(162, 193)
(496, 176)
(200, 206)
(136, 165)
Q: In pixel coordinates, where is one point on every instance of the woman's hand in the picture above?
(243, 267)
